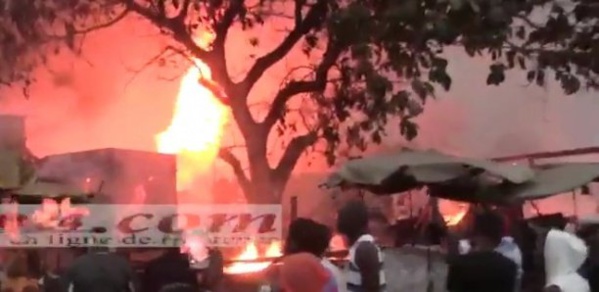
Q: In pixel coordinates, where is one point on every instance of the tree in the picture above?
(381, 59)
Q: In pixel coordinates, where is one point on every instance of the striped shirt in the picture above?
(353, 276)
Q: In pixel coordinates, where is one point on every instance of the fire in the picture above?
(337, 243)
(452, 220)
(196, 127)
(452, 212)
(11, 222)
(52, 214)
(251, 253)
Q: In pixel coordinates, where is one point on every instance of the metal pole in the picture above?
(574, 204)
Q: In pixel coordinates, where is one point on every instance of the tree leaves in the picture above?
(388, 56)
(408, 129)
(497, 74)
(30, 31)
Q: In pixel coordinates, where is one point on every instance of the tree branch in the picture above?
(109, 23)
(227, 156)
(183, 12)
(175, 26)
(315, 16)
(293, 88)
(294, 151)
(221, 29)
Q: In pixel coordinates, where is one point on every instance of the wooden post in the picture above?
(293, 206)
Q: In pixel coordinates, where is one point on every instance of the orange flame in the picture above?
(337, 243)
(454, 219)
(11, 223)
(196, 128)
(452, 212)
(51, 213)
(251, 253)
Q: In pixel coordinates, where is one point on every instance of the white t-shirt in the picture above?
(339, 278)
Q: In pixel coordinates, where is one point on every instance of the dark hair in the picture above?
(31, 288)
(352, 219)
(177, 287)
(489, 224)
(18, 267)
(306, 235)
(323, 239)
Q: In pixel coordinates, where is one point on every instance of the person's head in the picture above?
(487, 230)
(177, 287)
(564, 254)
(352, 220)
(98, 249)
(322, 240)
(17, 268)
(306, 235)
(31, 288)
(303, 272)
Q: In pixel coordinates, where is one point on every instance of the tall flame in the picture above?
(196, 128)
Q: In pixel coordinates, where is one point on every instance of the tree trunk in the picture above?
(263, 191)
(263, 187)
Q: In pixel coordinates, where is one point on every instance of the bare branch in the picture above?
(294, 151)
(175, 26)
(226, 155)
(184, 9)
(294, 88)
(109, 23)
(314, 17)
(148, 63)
(222, 28)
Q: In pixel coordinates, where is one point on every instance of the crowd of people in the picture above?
(487, 259)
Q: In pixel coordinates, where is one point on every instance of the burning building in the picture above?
(119, 176)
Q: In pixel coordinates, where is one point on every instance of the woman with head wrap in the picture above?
(303, 272)
(564, 255)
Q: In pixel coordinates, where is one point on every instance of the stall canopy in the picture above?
(51, 189)
(462, 179)
(554, 179)
(408, 169)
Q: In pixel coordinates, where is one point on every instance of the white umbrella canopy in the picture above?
(407, 169)
(555, 179)
(548, 180)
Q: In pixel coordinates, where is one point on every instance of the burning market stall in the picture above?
(465, 180)
(413, 169)
(410, 169)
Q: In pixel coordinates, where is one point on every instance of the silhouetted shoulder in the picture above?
(481, 271)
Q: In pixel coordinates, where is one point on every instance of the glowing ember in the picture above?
(337, 243)
(196, 128)
(251, 253)
(453, 212)
(195, 244)
(452, 220)
(11, 221)
(53, 215)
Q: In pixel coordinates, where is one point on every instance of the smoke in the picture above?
(98, 99)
